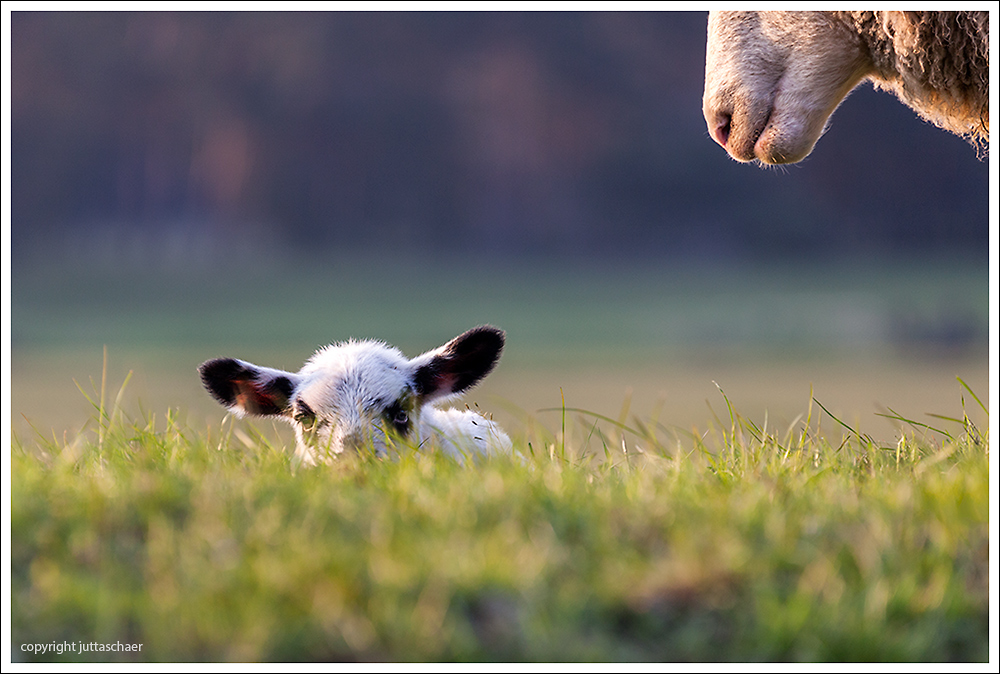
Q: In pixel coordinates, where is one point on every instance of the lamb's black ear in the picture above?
(460, 364)
(246, 388)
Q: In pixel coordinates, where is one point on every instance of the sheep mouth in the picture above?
(790, 129)
(740, 134)
(786, 137)
(767, 143)
(772, 143)
(760, 131)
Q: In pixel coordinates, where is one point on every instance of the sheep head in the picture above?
(359, 394)
(772, 79)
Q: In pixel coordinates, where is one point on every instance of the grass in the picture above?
(597, 329)
(607, 540)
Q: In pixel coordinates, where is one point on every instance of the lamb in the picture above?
(359, 394)
(772, 79)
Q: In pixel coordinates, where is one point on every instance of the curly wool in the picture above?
(935, 62)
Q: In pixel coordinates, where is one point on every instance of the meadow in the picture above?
(651, 335)
(605, 541)
(636, 523)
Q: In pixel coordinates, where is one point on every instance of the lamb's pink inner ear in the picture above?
(247, 388)
(460, 364)
(262, 398)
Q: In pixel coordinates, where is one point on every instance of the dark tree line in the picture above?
(529, 132)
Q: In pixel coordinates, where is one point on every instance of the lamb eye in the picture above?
(398, 416)
(305, 415)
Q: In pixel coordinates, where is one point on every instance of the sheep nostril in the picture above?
(723, 125)
(353, 440)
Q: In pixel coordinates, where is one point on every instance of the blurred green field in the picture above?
(685, 530)
(743, 545)
(654, 338)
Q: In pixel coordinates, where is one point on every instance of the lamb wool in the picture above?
(366, 394)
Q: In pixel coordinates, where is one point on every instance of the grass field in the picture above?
(606, 542)
(647, 527)
(655, 336)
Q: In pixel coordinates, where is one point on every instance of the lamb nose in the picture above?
(354, 440)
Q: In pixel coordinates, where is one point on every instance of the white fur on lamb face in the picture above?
(356, 395)
(349, 387)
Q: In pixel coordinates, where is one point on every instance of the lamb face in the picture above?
(360, 393)
(352, 394)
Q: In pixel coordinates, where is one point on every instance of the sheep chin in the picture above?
(777, 145)
(797, 121)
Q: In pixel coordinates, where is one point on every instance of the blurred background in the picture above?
(190, 185)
